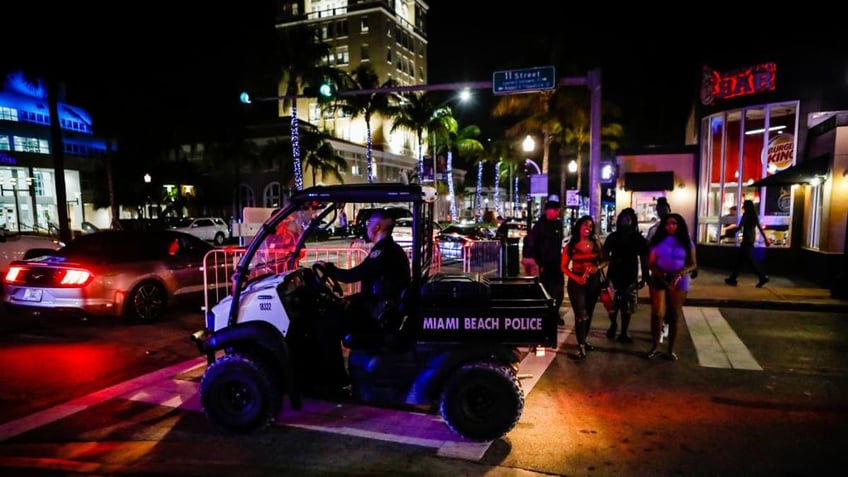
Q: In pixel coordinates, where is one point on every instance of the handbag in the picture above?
(607, 292)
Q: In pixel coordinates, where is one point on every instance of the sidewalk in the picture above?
(781, 292)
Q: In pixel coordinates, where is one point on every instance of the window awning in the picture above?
(802, 173)
(649, 181)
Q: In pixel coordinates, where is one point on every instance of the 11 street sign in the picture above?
(520, 81)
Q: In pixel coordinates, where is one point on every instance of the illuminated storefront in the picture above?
(738, 148)
(776, 134)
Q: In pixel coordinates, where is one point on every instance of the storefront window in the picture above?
(739, 147)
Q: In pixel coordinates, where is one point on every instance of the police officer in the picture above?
(384, 274)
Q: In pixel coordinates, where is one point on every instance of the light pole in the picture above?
(571, 196)
(147, 180)
(529, 145)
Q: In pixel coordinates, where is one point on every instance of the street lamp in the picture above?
(572, 168)
(147, 180)
(529, 145)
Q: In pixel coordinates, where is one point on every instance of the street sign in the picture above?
(539, 185)
(521, 81)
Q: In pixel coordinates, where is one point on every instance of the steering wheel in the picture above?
(326, 284)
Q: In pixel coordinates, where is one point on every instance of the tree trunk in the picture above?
(57, 149)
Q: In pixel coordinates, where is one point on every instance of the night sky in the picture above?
(135, 65)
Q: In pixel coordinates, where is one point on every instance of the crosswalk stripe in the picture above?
(716, 344)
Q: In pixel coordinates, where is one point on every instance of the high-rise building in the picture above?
(391, 36)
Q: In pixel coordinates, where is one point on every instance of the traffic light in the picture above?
(327, 89)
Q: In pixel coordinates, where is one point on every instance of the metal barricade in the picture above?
(220, 264)
(483, 257)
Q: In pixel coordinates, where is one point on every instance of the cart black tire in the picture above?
(147, 302)
(238, 394)
(482, 401)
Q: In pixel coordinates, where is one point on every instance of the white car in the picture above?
(213, 229)
(403, 229)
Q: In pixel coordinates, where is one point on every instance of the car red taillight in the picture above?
(48, 276)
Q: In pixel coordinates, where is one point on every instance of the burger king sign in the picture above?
(780, 152)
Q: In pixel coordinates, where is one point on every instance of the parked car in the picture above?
(213, 229)
(113, 272)
(403, 229)
(453, 238)
(515, 229)
(363, 214)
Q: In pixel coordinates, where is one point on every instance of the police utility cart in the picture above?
(452, 346)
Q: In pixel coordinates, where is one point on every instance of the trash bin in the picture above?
(510, 256)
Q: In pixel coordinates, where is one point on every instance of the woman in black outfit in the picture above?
(626, 250)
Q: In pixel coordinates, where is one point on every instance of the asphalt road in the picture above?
(754, 392)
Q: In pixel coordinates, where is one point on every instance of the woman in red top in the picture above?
(582, 259)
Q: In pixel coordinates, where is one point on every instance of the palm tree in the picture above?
(416, 112)
(366, 105)
(572, 109)
(321, 158)
(449, 138)
(300, 52)
(501, 152)
(535, 111)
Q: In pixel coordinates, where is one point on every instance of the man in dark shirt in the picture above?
(384, 274)
(546, 250)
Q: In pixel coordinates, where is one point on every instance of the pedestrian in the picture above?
(671, 260)
(627, 251)
(729, 225)
(530, 268)
(343, 224)
(546, 250)
(662, 208)
(749, 223)
(582, 260)
(502, 232)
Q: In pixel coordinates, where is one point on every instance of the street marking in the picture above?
(716, 344)
(421, 429)
(42, 418)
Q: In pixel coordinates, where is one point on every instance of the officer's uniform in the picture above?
(384, 275)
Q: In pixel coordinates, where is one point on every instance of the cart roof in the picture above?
(376, 193)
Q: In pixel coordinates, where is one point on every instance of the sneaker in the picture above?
(611, 331)
(664, 332)
(762, 281)
(730, 281)
(625, 339)
(653, 353)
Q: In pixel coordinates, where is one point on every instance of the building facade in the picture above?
(28, 200)
(775, 133)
